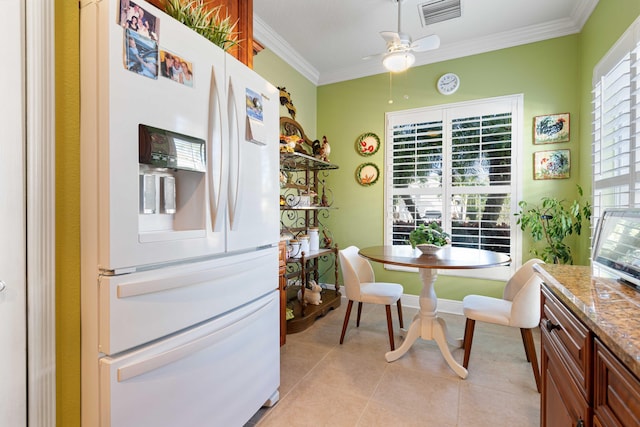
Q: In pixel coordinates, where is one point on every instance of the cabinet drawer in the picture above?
(617, 391)
(562, 401)
(570, 338)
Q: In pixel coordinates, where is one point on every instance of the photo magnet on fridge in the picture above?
(255, 120)
(138, 19)
(141, 54)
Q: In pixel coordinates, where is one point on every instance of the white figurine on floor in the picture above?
(311, 296)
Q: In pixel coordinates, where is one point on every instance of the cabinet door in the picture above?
(562, 402)
(571, 339)
(617, 391)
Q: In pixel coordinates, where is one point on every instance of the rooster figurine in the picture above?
(325, 150)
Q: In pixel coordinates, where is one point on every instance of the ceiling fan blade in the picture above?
(375, 55)
(426, 43)
(391, 37)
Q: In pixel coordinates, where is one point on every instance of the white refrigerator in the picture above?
(179, 225)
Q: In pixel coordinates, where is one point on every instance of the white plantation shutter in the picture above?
(455, 164)
(616, 125)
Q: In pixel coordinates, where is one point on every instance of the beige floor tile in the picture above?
(350, 373)
(423, 395)
(315, 405)
(483, 407)
(386, 415)
(324, 383)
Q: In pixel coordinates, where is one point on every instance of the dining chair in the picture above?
(519, 307)
(360, 286)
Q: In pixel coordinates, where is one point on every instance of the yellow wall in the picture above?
(67, 213)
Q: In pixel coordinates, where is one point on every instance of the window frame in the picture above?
(447, 113)
(609, 186)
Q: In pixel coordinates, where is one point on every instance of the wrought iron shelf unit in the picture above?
(305, 202)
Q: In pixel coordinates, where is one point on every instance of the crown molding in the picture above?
(272, 40)
(507, 39)
(583, 11)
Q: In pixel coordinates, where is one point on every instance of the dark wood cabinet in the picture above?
(282, 286)
(617, 391)
(583, 383)
(240, 11)
(563, 403)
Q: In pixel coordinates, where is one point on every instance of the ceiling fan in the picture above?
(399, 55)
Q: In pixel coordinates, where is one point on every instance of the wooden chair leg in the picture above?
(359, 312)
(530, 350)
(390, 327)
(524, 341)
(468, 339)
(400, 314)
(346, 320)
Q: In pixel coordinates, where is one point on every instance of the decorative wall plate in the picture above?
(367, 144)
(367, 174)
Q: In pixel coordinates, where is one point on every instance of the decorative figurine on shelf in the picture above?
(285, 100)
(315, 148)
(325, 150)
(311, 296)
(327, 239)
(323, 200)
(321, 150)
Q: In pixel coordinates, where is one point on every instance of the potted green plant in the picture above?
(551, 222)
(428, 238)
(204, 20)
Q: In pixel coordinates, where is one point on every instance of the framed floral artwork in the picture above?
(367, 174)
(551, 164)
(551, 128)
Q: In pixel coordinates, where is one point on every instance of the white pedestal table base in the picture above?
(427, 325)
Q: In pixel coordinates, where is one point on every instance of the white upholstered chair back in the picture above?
(355, 270)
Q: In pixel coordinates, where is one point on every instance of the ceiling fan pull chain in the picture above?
(390, 88)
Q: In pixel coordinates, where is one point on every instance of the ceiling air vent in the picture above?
(439, 10)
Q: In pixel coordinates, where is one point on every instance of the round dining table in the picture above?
(426, 324)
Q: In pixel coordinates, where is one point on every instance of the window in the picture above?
(454, 164)
(616, 125)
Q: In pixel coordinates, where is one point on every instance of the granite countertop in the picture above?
(609, 308)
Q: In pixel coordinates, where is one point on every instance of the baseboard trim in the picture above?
(413, 301)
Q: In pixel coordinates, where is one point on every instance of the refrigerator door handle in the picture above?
(134, 289)
(234, 158)
(234, 321)
(216, 164)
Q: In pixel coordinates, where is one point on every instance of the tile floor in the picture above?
(323, 383)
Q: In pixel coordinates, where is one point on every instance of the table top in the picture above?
(449, 257)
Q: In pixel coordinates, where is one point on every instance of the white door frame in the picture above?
(40, 196)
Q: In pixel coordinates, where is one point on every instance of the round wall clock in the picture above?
(448, 83)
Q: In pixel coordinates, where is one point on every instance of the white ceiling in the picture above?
(325, 40)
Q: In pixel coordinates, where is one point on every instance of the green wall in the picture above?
(358, 224)
(303, 92)
(544, 72)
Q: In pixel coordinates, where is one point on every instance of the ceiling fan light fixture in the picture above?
(397, 62)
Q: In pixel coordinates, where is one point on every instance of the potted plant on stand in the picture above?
(551, 222)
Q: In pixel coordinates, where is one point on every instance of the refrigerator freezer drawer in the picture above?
(140, 307)
(216, 374)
